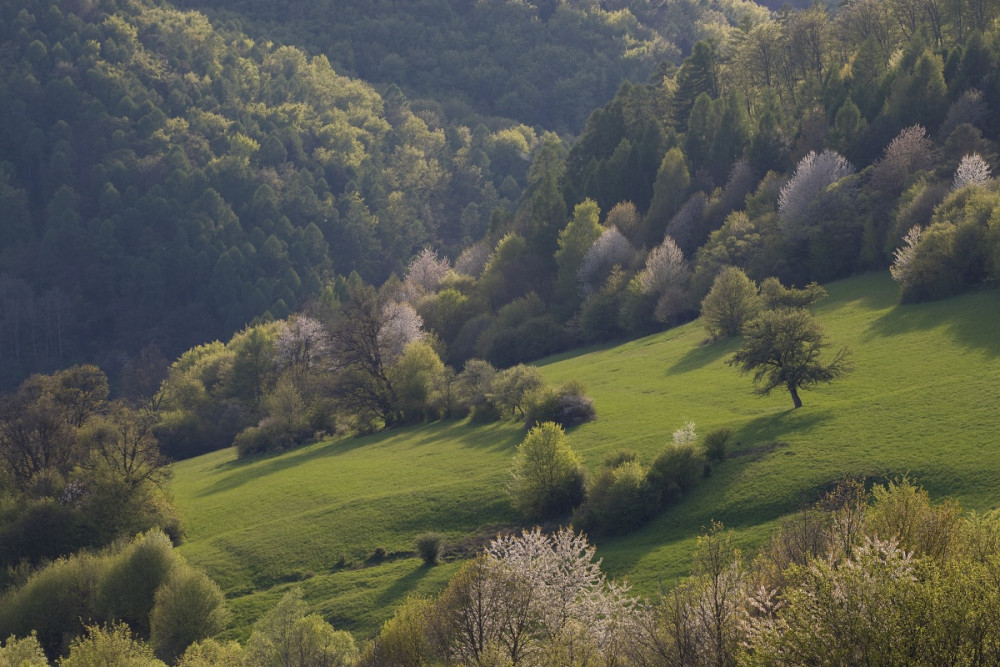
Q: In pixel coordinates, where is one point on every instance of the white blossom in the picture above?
(609, 250)
(972, 170)
(814, 173)
(902, 265)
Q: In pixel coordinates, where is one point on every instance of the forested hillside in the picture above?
(546, 63)
(167, 180)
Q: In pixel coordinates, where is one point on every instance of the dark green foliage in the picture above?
(781, 348)
(567, 406)
(717, 442)
(619, 499)
(675, 470)
(429, 547)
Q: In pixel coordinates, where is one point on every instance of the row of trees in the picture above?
(881, 576)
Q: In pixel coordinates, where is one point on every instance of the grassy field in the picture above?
(922, 401)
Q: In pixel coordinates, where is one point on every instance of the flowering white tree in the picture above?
(911, 151)
(685, 435)
(665, 276)
(972, 170)
(902, 265)
(424, 274)
(569, 593)
(301, 346)
(814, 173)
(609, 250)
(401, 326)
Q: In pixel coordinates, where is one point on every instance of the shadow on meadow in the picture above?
(703, 355)
(969, 318)
(242, 471)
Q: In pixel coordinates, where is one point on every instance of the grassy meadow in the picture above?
(922, 402)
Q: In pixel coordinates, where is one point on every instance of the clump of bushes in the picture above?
(519, 392)
(625, 494)
(429, 547)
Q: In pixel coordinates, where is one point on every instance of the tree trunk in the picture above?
(794, 391)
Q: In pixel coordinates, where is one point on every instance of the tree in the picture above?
(782, 348)
(546, 476)
(732, 301)
(574, 241)
(370, 335)
(288, 636)
(114, 645)
(972, 170)
(812, 175)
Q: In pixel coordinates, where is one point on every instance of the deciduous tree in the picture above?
(781, 348)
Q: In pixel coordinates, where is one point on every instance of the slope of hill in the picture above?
(921, 403)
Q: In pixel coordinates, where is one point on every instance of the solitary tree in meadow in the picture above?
(782, 349)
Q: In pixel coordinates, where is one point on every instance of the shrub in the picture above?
(546, 476)
(676, 470)
(211, 653)
(620, 499)
(127, 589)
(716, 443)
(109, 646)
(566, 406)
(403, 640)
(620, 456)
(188, 607)
(287, 636)
(25, 652)
(429, 546)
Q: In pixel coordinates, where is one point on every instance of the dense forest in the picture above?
(385, 209)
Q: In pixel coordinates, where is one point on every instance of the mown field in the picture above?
(923, 401)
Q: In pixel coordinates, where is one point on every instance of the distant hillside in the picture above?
(546, 63)
(921, 403)
(165, 180)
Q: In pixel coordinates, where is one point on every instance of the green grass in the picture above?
(923, 401)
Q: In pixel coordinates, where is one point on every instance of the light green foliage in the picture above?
(619, 499)
(188, 607)
(546, 476)
(287, 635)
(732, 302)
(403, 638)
(25, 652)
(574, 242)
(114, 645)
(512, 387)
(415, 377)
(212, 653)
(669, 192)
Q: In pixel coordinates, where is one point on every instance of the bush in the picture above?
(566, 406)
(109, 646)
(211, 653)
(546, 476)
(732, 301)
(676, 470)
(429, 546)
(620, 499)
(716, 443)
(187, 608)
(127, 589)
(25, 652)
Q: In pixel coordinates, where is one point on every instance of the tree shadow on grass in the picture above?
(703, 355)
(245, 470)
(970, 318)
(403, 585)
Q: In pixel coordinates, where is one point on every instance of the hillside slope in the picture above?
(921, 402)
